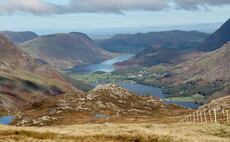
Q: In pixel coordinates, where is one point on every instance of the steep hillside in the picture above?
(210, 66)
(206, 75)
(19, 37)
(218, 39)
(23, 80)
(168, 39)
(209, 73)
(65, 50)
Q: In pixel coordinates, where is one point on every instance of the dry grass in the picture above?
(118, 133)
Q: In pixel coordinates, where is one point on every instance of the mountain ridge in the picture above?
(65, 50)
(137, 42)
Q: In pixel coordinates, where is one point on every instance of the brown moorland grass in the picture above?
(143, 132)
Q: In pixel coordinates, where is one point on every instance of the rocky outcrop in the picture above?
(103, 102)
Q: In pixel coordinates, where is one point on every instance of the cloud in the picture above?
(103, 6)
(117, 5)
(196, 4)
(30, 6)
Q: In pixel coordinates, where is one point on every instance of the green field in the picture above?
(181, 99)
(100, 78)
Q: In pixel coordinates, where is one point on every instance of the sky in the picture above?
(50, 16)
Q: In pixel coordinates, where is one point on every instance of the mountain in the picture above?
(218, 39)
(65, 50)
(24, 80)
(133, 43)
(19, 37)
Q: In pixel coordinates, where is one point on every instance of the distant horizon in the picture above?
(97, 16)
(108, 32)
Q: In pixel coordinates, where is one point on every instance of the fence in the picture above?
(208, 116)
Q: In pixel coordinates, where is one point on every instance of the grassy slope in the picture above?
(143, 132)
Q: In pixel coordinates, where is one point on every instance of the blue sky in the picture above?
(45, 17)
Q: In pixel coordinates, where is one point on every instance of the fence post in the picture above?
(215, 115)
(210, 116)
(201, 119)
(205, 117)
(227, 116)
(197, 116)
(194, 117)
(222, 111)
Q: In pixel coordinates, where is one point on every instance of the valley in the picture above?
(158, 86)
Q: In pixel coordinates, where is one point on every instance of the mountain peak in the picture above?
(217, 39)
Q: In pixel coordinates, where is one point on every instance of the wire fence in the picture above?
(208, 116)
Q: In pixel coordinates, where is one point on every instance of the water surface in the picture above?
(141, 89)
(6, 120)
(106, 66)
(191, 105)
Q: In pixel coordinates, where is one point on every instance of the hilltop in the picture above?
(65, 50)
(19, 37)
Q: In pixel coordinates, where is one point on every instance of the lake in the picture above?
(6, 120)
(184, 104)
(141, 89)
(106, 66)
